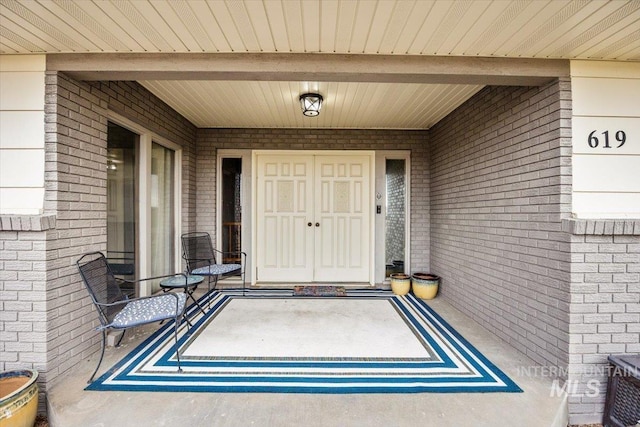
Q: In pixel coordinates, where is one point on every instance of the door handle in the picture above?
(309, 224)
(317, 224)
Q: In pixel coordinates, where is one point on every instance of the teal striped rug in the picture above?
(400, 346)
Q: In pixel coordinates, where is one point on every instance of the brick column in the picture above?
(604, 310)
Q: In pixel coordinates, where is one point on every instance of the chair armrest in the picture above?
(148, 278)
(229, 252)
(243, 257)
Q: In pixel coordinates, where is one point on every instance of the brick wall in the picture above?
(605, 307)
(500, 187)
(210, 140)
(52, 322)
(23, 293)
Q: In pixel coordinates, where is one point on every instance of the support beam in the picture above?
(309, 67)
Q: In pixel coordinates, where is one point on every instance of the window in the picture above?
(143, 187)
(395, 216)
(231, 207)
(121, 201)
(162, 212)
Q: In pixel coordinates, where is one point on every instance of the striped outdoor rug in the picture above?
(273, 341)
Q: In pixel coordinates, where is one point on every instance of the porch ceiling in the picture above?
(558, 29)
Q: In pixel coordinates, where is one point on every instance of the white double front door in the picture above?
(313, 217)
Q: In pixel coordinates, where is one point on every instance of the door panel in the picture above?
(342, 248)
(285, 241)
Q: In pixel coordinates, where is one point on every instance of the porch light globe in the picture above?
(311, 104)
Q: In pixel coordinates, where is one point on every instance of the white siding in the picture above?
(22, 134)
(606, 106)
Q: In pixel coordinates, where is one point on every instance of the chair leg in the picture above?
(104, 342)
(243, 284)
(124, 331)
(215, 285)
(175, 335)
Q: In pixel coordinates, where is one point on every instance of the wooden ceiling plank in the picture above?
(311, 24)
(177, 22)
(37, 21)
(379, 24)
(477, 28)
(544, 32)
(345, 25)
(243, 25)
(396, 25)
(227, 25)
(17, 35)
(217, 40)
(412, 26)
(469, 22)
(295, 31)
(632, 54)
(361, 25)
(503, 15)
(508, 26)
(7, 46)
(84, 22)
(531, 19)
(430, 28)
(261, 25)
(622, 32)
(275, 14)
(143, 15)
(189, 27)
(130, 21)
(570, 28)
(618, 12)
(328, 18)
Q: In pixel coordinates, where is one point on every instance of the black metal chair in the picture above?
(117, 311)
(200, 256)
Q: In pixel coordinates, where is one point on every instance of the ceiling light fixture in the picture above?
(311, 104)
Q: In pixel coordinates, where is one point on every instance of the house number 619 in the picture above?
(593, 141)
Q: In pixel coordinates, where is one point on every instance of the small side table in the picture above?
(622, 407)
(187, 282)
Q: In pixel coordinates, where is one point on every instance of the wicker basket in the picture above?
(622, 407)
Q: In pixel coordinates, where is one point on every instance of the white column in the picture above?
(22, 92)
(606, 139)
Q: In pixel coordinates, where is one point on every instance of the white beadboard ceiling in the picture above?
(558, 29)
(346, 104)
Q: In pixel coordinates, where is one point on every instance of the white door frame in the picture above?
(254, 219)
(380, 219)
(245, 201)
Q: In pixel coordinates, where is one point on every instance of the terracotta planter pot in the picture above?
(425, 285)
(400, 283)
(18, 398)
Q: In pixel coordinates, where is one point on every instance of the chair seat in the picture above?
(149, 310)
(215, 269)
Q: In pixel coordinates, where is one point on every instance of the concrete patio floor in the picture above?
(69, 405)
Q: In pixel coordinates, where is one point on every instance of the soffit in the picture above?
(579, 29)
(559, 29)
